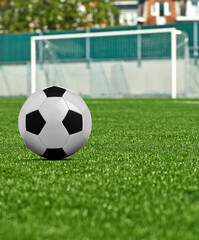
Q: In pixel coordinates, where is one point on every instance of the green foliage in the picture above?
(136, 178)
(44, 15)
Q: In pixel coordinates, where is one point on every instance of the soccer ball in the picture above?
(54, 122)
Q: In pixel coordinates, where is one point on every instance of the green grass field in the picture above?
(137, 177)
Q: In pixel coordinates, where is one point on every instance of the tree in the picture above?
(44, 15)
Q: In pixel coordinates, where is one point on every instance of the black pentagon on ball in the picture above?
(54, 153)
(73, 122)
(34, 122)
(54, 91)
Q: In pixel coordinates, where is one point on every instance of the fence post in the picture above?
(139, 47)
(88, 49)
(195, 42)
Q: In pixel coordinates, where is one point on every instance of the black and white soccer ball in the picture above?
(54, 122)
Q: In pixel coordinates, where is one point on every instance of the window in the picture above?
(194, 2)
(167, 9)
(183, 8)
(161, 9)
(155, 9)
(195, 8)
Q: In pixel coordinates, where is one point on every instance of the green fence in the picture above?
(105, 48)
(15, 48)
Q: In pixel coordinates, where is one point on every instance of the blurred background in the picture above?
(113, 66)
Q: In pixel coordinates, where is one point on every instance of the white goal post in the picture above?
(173, 33)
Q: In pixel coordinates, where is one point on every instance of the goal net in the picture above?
(151, 62)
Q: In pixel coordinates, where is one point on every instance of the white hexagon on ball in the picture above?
(54, 122)
(54, 134)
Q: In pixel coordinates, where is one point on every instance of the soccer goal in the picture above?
(152, 62)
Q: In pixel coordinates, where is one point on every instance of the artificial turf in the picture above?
(137, 177)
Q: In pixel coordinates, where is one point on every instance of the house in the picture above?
(157, 12)
(128, 12)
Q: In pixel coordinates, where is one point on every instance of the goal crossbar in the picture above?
(172, 31)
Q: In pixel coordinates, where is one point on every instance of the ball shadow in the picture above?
(51, 160)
